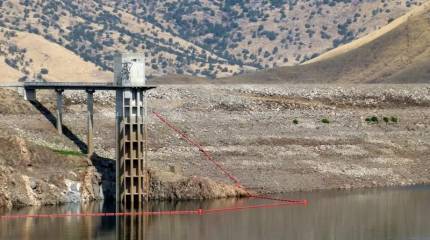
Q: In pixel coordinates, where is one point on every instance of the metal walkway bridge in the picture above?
(30, 88)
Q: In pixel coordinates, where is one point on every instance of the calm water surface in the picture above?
(368, 214)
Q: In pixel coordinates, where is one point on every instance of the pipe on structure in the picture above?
(90, 122)
(59, 111)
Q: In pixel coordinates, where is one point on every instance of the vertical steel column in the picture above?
(90, 122)
(59, 110)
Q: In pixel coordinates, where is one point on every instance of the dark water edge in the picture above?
(393, 213)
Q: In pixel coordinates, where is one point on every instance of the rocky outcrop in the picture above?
(91, 185)
(32, 175)
(171, 186)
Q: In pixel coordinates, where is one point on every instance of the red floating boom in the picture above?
(280, 202)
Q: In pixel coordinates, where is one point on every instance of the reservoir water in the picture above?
(396, 213)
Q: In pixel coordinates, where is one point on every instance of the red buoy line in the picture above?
(205, 153)
(280, 202)
(148, 213)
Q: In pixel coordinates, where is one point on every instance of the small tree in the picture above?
(44, 71)
(386, 119)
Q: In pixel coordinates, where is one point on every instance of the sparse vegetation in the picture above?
(325, 121)
(66, 152)
(372, 119)
(188, 37)
(386, 119)
(44, 71)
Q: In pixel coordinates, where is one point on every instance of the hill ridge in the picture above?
(205, 38)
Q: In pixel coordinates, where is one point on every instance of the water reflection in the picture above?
(374, 214)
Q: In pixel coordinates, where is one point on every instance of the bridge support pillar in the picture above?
(59, 111)
(30, 94)
(90, 122)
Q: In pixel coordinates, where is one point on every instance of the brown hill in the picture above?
(200, 38)
(30, 54)
(397, 53)
(9, 74)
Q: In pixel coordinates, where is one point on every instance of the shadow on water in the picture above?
(105, 166)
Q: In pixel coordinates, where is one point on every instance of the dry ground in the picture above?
(250, 130)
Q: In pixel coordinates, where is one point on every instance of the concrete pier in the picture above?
(59, 111)
(29, 94)
(90, 122)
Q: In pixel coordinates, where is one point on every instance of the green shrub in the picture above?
(295, 121)
(394, 119)
(386, 119)
(374, 119)
(325, 120)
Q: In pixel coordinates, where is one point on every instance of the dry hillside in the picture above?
(32, 55)
(397, 53)
(8, 73)
(202, 38)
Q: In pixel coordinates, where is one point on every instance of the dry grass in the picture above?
(399, 53)
(63, 65)
(373, 35)
(8, 74)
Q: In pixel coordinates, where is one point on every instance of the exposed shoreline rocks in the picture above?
(249, 129)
